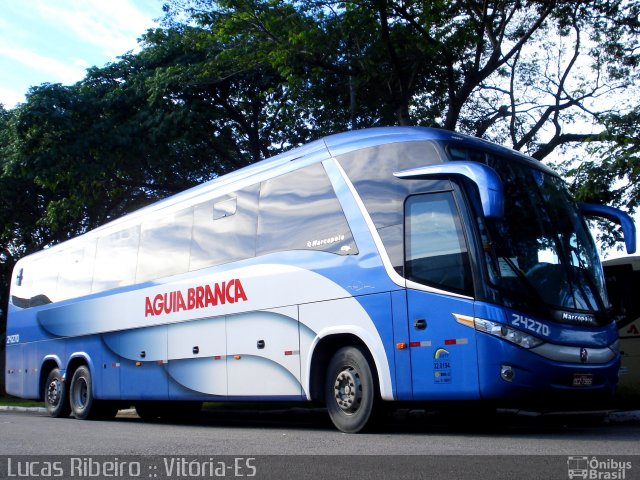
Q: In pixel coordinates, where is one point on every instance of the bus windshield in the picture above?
(542, 249)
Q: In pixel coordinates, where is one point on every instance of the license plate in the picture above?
(582, 379)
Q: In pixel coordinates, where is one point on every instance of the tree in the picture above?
(521, 73)
(608, 171)
(250, 109)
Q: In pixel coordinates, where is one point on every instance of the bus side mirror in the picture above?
(486, 179)
(617, 216)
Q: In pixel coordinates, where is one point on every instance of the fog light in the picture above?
(507, 373)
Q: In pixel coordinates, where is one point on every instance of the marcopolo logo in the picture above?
(597, 468)
(204, 296)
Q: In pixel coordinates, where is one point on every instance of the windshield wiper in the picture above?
(533, 292)
(575, 285)
(592, 287)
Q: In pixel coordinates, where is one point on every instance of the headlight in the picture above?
(512, 335)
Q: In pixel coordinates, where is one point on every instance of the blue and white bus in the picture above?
(392, 264)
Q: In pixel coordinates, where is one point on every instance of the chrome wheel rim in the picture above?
(348, 390)
(54, 391)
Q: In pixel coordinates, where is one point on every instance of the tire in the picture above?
(56, 395)
(350, 390)
(81, 394)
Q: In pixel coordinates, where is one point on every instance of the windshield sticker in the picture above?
(506, 270)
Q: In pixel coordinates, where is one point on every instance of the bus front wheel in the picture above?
(350, 390)
(55, 395)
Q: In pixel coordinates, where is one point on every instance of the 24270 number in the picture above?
(530, 324)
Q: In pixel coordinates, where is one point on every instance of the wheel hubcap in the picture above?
(348, 390)
(80, 393)
(53, 392)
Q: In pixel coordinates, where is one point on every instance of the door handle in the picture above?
(420, 324)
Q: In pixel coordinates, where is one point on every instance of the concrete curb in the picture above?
(5, 408)
(624, 417)
(9, 408)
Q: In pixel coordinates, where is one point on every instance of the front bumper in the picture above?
(557, 379)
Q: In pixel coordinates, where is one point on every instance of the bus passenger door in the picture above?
(444, 363)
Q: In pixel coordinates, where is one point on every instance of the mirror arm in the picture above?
(617, 216)
(484, 177)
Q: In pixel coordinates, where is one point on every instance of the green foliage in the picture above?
(611, 173)
(520, 73)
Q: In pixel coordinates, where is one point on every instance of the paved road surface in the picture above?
(537, 447)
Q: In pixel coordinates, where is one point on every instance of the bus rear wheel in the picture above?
(350, 390)
(55, 395)
(83, 404)
(80, 394)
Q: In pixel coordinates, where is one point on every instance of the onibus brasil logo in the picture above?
(595, 468)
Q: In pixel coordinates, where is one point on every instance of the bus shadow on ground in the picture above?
(399, 420)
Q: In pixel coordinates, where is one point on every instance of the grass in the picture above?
(7, 400)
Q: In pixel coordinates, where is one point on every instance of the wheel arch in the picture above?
(324, 350)
(76, 360)
(49, 363)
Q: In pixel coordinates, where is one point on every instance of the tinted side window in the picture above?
(300, 211)
(225, 229)
(436, 251)
(45, 273)
(76, 276)
(116, 259)
(371, 172)
(164, 245)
